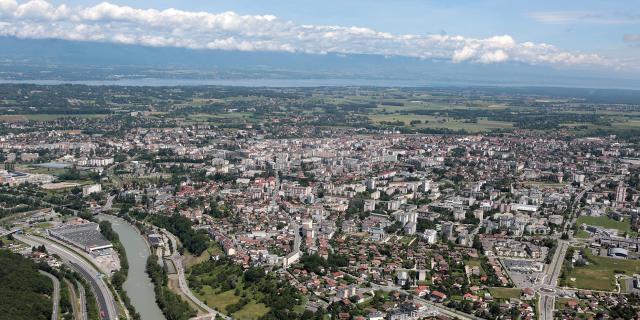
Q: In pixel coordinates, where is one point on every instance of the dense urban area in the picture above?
(318, 203)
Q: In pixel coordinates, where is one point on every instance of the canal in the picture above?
(138, 285)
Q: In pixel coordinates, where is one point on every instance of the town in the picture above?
(389, 208)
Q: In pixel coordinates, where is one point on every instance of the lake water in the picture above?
(158, 82)
(53, 165)
(138, 285)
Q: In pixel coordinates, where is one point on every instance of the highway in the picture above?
(55, 300)
(104, 297)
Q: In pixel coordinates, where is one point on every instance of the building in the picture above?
(28, 157)
(92, 188)
(618, 253)
(155, 240)
(621, 193)
(82, 234)
(100, 162)
(369, 205)
(430, 236)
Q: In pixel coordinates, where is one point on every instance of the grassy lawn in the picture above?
(600, 273)
(190, 260)
(581, 234)
(43, 225)
(605, 222)
(251, 311)
(218, 301)
(505, 293)
(406, 239)
(474, 263)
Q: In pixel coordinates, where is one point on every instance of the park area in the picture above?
(249, 294)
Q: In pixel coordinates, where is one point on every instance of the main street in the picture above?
(547, 289)
(549, 282)
(105, 299)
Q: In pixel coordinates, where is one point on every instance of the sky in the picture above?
(570, 33)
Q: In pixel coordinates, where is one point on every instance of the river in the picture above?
(138, 285)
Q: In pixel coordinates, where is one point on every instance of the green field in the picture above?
(605, 222)
(581, 234)
(505, 293)
(436, 122)
(50, 117)
(599, 274)
(218, 301)
(213, 250)
(251, 311)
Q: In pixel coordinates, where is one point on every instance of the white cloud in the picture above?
(494, 56)
(230, 31)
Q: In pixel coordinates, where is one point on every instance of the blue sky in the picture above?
(574, 28)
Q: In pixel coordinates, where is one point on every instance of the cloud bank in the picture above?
(584, 17)
(106, 22)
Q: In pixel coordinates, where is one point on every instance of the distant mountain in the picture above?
(28, 59)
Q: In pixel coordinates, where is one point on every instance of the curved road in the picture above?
(182, 281)
(103, 294)
(56, 294)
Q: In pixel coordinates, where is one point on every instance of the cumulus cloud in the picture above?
(108, 22)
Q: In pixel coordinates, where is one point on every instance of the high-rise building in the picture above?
(621, 193)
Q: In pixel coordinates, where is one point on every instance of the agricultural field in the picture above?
(436, 122)
(50, 117)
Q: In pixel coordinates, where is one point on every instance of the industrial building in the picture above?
(84, 235)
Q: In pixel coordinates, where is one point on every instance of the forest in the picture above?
(25, 292)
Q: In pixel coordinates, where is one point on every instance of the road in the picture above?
(550, 281)
(576, 202)
(104, 297)
(109, 203)
(182, 281)
(83, 300)
(55, 300)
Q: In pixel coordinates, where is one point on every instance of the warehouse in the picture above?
(85, 235)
